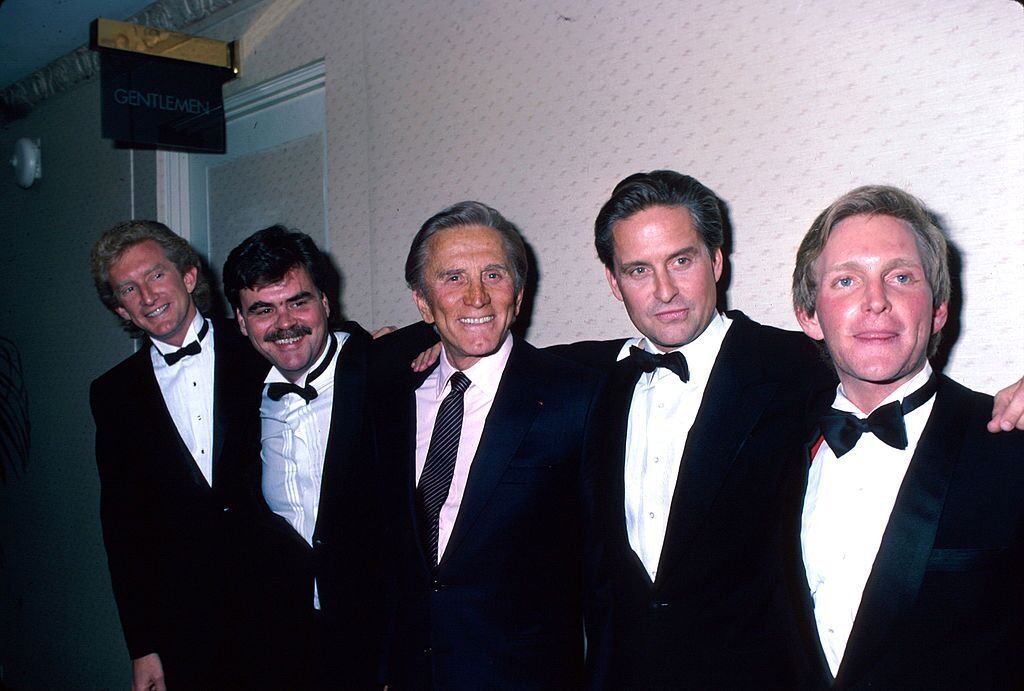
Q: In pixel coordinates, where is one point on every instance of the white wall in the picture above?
(540, 108)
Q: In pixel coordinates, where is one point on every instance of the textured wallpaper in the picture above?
(539, 108)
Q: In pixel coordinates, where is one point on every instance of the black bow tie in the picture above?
(649, 362)
(842, 430)
(192, 348)
(279, 390)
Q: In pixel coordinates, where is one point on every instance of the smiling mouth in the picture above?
(287, 337)
(157, 312)
(474, 321)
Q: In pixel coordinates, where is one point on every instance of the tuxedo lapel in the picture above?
(220, 398)
(739, 388)
(614, 417)
(516, 403)
(149, 394)
(899, 567)
(347, 404)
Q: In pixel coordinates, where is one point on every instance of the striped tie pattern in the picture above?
(436, 478)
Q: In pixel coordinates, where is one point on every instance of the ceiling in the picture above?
(34, 33)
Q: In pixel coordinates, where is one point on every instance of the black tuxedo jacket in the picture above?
(166, 530)
(943, 607)
(713, 618)
(504, 607)
(344, 559)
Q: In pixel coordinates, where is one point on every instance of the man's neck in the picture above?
(867, 395)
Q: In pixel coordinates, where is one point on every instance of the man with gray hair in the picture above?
(911, 533)
(485, 478)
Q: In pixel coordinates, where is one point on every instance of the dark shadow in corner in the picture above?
(521, 326)
(954, 323)
(725, 281)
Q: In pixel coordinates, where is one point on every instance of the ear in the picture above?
(423, 305)
(716, 262)
(519, 302)
(190, 277)
(123, 313)
(241, 322)
(613, 283)
(809, 323)
(939, 318)
(325, 303)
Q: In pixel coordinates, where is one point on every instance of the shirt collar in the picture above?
(908, 387)
(274, 375)
(191, 334)
(485, 372)
(700, 353)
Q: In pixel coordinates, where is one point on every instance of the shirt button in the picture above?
(651, 514)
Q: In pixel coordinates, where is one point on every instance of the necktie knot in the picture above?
(648, 362)
(460, 382)
(842, 430)
(192, 348)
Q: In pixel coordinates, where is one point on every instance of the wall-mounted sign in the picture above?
(161, 89)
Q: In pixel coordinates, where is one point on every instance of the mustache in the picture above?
(291, 332)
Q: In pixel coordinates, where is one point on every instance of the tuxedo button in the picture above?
(438, 586)
(317, 542)
(659, 605)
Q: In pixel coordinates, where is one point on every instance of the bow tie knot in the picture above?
(192, 348)
(648, 362)
(842, 430)
(279, 390)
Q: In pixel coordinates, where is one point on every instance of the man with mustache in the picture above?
(163, 418)
(316, 525)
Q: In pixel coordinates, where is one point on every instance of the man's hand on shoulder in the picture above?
(148, 673)
(1008, 411)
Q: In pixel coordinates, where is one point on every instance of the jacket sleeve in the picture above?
(128, 536)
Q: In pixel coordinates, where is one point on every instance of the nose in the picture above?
(283, 319)
(476, 294)
(146, 294)
(664, 287)
(876, 297)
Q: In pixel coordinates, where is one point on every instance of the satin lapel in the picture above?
(909, 536)
(401, 440)
(150, 395)
(738, 390)
(347, 412)
(616, 401)
(220, 393)
(516, 404)
(801, 599)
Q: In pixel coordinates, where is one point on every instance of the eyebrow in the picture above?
(888, 266)
(261, 304)
(689, 250)
(156, 267)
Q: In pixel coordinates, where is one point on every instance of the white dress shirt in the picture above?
(661, 414)
(187, 388)
(484, 377)
(294, 441)
(847, 506)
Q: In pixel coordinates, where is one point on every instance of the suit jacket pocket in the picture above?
(966, 559)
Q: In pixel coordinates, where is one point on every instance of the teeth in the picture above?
(287, 341)
(476, 320)
(158, 311)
